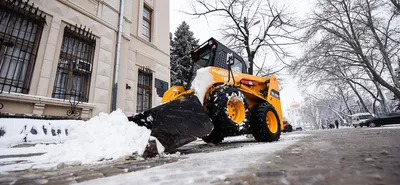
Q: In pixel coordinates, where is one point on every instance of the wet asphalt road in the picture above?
(343, 156)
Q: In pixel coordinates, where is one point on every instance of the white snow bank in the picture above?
(18, 130)
(201, 82)
(104, 137)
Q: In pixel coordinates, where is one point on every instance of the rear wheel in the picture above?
(227, 107)
(265, 124)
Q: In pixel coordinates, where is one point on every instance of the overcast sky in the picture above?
(205, 28)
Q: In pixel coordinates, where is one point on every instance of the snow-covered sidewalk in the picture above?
(104, 137)
(205, 168)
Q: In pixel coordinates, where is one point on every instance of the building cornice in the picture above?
(27, 98)
(91, 15)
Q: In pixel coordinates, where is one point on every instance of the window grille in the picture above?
(75, 65)
(144, 90)
(21, 26)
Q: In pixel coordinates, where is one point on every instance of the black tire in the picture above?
(259, 126)
(217, 110)
(372, 124)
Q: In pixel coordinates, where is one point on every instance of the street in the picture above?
(337, 156)
(344, 156)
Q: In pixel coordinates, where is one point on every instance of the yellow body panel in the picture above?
(254, 94)
(174, 92)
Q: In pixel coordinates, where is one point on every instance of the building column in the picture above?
(38, 109)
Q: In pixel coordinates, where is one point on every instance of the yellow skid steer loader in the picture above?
(217, 99)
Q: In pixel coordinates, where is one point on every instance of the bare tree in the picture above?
(396, 3)
(251, 25)
(351, 42)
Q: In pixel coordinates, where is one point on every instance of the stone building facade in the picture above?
(58, 57)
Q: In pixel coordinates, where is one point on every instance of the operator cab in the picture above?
(213, 53)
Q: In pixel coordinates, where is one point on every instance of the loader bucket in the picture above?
(177, 122)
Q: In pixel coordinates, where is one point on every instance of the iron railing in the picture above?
(21, 27)
(75, 67)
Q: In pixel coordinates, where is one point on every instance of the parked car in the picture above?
(384, 119)
(358, 118)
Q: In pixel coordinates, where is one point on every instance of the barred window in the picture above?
(75, 65)
(146, 31)
(21, 27)
(144, 91)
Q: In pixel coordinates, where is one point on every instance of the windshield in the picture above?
(200, 61)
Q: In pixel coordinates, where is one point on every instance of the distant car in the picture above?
(384, 119)
(299, 129)
(358, 118)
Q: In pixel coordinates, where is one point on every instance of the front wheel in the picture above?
(265, 124)
(372, 124)
(227, 107)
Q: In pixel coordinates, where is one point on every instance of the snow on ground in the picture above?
(104, 137)
(204, 168)
(201, 82)
(17, 131)
(393, 126)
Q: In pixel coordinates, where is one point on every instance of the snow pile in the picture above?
(16, 131)
(201, 82)
(104, 137)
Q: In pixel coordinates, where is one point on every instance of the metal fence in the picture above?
(21, 27)
(75, 65)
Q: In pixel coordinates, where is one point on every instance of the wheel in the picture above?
(227, 107)
(265, 124)
(372, 124)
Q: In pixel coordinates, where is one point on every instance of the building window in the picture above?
(144, 90)
(20, 32)
(146, 32)
(75, 65)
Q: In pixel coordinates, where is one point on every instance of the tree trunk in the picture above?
(382, 100)
(251, 62)
(359, 96)
(345, 101)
